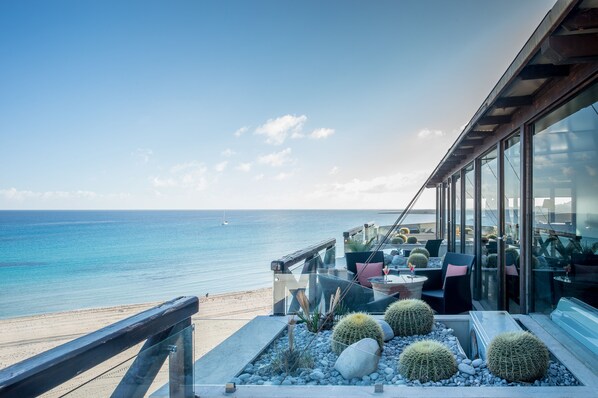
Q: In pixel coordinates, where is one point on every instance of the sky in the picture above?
(242, 104)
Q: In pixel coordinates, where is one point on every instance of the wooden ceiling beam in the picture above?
(491, 120)
(573, 48)
(543, 71)
(584, 19)
(510, 102)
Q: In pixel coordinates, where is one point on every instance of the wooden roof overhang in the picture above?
(561, 54)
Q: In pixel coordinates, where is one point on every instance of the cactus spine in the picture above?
(517, 356)
(427, 360)
(409, 317)
(418, 260)
(354, 327)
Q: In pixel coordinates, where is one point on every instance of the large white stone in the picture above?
(386, 329)
(359, 359)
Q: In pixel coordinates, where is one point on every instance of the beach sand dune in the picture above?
(219, 316)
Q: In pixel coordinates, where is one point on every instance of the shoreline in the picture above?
(219, 316)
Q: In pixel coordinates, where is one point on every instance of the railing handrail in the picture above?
(283, 264)
(353, 231)
(51, 368)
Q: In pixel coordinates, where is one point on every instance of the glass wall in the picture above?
(469, 231)
(512, 192)
(487, 234)
(457, 213)
(565, 214)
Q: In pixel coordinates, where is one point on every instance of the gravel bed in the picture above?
(471, 373)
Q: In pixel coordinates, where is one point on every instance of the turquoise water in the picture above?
(64, 260)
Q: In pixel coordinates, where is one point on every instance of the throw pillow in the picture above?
(363, 272)
(454, 270)
(511, 270)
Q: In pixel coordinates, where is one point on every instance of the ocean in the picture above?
(65, 260)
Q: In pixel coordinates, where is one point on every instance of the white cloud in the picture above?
(190, 175)
(282, 176)
(259, 177)
(142, 155)
(13, 194)
(333, 171)
(244, 167)
(241, 131)
(321, 133)
(227, 153)
(276, 159)
(220, 167)
(277, 130)
(427, 133)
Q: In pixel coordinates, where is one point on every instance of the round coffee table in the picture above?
(407, 286)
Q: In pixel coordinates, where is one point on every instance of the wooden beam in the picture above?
(509, 102)
(490, 120)
(574, 48)
(543, 71)
(584, 19)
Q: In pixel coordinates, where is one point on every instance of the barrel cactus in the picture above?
(412, 240)
(427, 360)
(397, 241)
(409, 317)
(517, 356)
(492, 261)
(421, 250)
(418, 260)
(354, 327)
(404, 231)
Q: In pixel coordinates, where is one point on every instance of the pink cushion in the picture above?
(511, 270)
(363, 272)
(454, 270)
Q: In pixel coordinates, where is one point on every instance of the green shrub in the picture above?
(290, 360)
(427, 360)
(412, 240)
(353, 328)
(397, 241)
(492, 261)
(359, 246)
(409, 317)
(517, 356)
(418, 260)
(421, 250)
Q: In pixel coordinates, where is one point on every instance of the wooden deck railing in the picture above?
(41, 373)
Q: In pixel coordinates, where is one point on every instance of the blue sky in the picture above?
(242, 104)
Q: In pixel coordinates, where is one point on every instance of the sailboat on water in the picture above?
(224, 221)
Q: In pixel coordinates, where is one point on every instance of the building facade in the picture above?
(519, 187)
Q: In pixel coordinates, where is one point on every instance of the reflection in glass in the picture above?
(512, 190)
(457, 213)
(565, 216)
(469, 231)
(489, 209)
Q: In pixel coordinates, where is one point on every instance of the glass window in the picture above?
(565, 214)
(512, 193)
(457, 213)
(469, 230)
(489, 210)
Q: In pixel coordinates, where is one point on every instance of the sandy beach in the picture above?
(219, 316)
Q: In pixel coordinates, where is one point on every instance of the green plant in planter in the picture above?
(491, 236)
(403, 236)
(418, 260)
(290, 360)
(492, 261)
(316, 320)
(412, 240)
(404, 231)
(359, 246)
(421, 250)
(409, 317)
(517, 356)
(397, 241)
(427, 360)
(354, 327)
